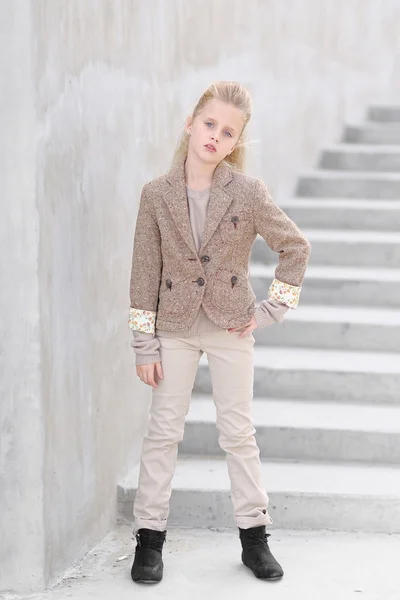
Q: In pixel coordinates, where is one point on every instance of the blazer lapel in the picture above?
(176, 200)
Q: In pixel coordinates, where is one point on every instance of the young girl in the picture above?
(190, 293)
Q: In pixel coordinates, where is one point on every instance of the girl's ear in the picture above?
(188, 125)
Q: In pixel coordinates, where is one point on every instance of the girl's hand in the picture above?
(249, 327)
(148, 373)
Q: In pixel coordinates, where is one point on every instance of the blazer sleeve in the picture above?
(283, 236)
(146, 267)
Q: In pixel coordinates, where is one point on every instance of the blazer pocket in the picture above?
(174, 297)
(233, 226)
(230, 292)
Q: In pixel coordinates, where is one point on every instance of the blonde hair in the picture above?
(231, 92)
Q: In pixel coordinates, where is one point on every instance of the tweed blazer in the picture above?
(170, 279)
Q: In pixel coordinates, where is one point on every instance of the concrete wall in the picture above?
(89, 173)
(93, 97)
(21, 408)
(72, 409)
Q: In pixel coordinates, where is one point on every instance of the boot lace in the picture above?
(155, 543)
(256, 541)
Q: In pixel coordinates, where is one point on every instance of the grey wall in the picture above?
(21, 408)
(72, 410)
(93, 97)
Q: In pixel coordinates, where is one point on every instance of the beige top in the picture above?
(146, 345)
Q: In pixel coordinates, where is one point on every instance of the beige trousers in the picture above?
(231, 367)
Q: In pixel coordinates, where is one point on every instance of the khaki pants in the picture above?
(232, 373)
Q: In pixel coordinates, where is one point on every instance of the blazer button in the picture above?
(235, 219)
(200, 281)
(234, 279)
(205, 258)
(169, 283)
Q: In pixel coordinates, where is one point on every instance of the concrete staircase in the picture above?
(327, 380)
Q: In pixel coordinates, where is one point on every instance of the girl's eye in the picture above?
(228, 132)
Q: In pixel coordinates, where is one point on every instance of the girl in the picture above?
(190, 293)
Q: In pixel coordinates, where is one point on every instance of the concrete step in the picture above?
(295, 429)
(319, 374)
(335, 328)
(332, 247)
(371, 132)
(334, 286)
(344, 213)
(357, 157)
(302, 495)
(344, 184)
(384, 114)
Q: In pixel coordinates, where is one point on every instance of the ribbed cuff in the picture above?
(269, 312)
(263, 318)
(147, 359)
(146, 347)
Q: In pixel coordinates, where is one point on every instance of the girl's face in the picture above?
(218, 126)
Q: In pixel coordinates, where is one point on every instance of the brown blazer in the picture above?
(170, 280)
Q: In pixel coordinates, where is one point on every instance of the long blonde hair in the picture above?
(231, 92)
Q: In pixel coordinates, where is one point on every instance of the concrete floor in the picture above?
(205, 563)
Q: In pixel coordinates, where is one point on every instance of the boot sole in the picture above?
(270, 578)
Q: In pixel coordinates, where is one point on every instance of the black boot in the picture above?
(148, 565)
(256, 553)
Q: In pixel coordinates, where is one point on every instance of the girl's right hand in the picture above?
(148, 373)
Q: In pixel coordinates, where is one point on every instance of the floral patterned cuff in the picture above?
(285, 293)
(142, 320)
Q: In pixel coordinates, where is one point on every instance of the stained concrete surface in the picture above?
(198, 563)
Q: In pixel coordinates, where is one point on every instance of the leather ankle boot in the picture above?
(148, 566)
(257, 555)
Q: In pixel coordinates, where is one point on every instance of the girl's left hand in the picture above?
(249, 327)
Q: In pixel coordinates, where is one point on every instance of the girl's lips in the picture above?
(210, 148)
